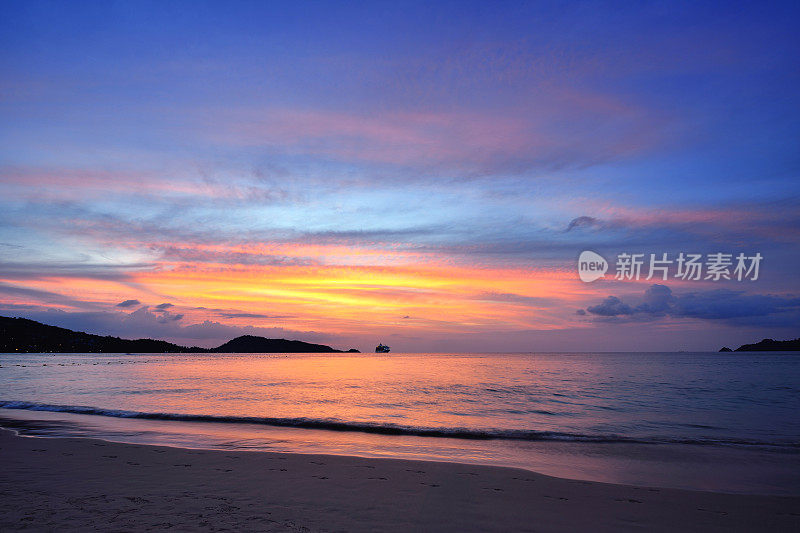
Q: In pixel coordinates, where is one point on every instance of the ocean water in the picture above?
(712, 421)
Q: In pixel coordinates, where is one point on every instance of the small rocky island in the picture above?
(20, 335)
(768, 345)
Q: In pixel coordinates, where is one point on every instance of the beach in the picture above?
(72, 484)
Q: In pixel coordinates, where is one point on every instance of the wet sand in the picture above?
(70, 484)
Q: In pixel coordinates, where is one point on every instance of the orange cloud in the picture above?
(359, 288)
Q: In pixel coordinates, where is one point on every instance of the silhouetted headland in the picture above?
(28, 336)
(253, 344)
(769, 345)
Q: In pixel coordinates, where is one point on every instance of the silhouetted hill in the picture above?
(22, 335)
(253, 344)
(770, 345)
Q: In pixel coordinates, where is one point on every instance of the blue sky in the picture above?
(346, 165)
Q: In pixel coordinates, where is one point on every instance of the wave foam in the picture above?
(384, 428)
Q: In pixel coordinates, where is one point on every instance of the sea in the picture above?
(726, 422)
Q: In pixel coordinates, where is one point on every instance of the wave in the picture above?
(386, 428)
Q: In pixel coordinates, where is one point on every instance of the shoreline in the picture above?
(69, 483)
(679, 466)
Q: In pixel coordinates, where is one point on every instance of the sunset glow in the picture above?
(263, 170)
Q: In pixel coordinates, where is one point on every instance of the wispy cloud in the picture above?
(465, 143)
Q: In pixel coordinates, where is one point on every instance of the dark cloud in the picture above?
(129, 303)
(582, 222)
(160, 312)
(611, 306)
(725, 304)
(658, 300)
(720, 304)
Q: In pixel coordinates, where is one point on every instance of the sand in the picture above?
(70, 484)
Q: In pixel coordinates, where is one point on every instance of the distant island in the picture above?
(21, 335)
(767, 345)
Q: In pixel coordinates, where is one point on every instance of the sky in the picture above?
(420, 175)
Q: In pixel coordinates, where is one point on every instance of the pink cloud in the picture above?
(541, 130)
(396, 138)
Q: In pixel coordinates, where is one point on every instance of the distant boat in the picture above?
(381, 348)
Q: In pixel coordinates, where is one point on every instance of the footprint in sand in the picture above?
(182, 465)
(110, 456)
(383, 478)
(415, 471)
(321, 477)
(470, 474)
(132, 463)
(429, 484)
